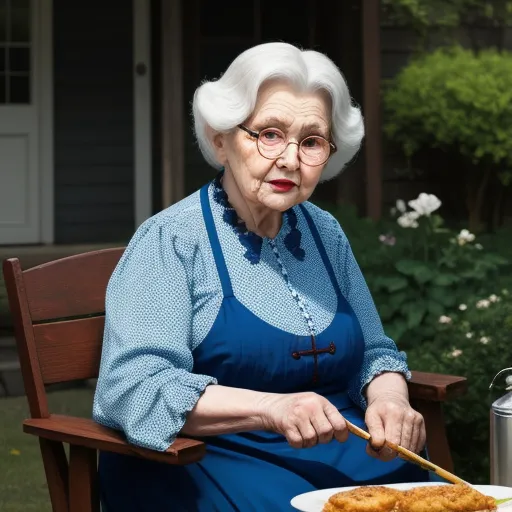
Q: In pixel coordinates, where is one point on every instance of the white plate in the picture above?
(315, 500)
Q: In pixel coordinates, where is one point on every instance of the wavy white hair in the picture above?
(223, 104)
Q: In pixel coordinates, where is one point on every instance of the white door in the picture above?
(19, 137)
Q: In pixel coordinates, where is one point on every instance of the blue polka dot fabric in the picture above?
(165, 294)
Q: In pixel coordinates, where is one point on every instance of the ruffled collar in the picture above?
(251, 241)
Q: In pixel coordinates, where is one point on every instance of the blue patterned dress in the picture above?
(187, 308)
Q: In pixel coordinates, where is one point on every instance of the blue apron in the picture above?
(258, 471)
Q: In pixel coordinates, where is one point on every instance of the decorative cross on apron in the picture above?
(331, 349)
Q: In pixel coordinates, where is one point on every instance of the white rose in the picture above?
(400, 205)
(456, 353)
(425, 204)
(463, 307)
(408, 220)
(484, 303)
(444, 319)
(465, 236)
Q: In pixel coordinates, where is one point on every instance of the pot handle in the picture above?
(498, 374)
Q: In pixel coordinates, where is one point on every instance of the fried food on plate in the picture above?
(446, 498)
(364, 499)
(436, 498)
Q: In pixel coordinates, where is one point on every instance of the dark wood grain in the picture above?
(87, 433)
(435, 387)
(56, 471)
(70, 287)
(83, 480)
(69, 350)
(437, 440)
(25, 343)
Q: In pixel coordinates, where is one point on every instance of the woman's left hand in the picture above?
(390, 417)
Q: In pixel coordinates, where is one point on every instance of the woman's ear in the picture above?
(219, 145)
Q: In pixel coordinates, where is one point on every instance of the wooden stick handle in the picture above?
(411, 456)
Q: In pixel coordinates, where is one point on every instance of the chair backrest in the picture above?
(58, 311)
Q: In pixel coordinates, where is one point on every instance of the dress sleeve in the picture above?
(146, 386)
(380, 353)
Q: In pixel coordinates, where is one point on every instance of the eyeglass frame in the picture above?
(256, 135)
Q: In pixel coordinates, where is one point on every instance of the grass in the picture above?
(23, 482)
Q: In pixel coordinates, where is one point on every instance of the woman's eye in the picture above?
(270, 135)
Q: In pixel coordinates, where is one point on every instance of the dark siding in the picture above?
(93, 95)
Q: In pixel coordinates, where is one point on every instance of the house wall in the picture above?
(93, 97)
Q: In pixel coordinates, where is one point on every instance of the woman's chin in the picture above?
(281, 201)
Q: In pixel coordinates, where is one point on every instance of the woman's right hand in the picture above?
(305, 419)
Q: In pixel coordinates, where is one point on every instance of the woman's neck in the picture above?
(259, 219)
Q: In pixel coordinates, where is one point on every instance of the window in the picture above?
(15, 51)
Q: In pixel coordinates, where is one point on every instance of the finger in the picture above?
(294, 438)
(338, 423)
(422, 436)
(375, 426)
(407, 439)
(323, 428)
(308, 433)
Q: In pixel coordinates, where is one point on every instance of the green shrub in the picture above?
(454, 99)
(460, 102)
(475, 343)
(417, 269)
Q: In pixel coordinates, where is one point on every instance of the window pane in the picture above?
(19, 89)
(3, 20)
(19, 60)
(20, 23)
(3, 99)
(3, 63)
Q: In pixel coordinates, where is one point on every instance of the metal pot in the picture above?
(501, 435)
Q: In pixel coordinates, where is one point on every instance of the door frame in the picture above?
(43, 77)
(142, 136)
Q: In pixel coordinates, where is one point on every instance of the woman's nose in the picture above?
(290, 157)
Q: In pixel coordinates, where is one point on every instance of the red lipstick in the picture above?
(282, 185)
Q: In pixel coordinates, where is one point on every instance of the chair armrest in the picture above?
(86, 432)
(436, 387)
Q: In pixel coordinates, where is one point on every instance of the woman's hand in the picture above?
(305, 419)
(390, 417)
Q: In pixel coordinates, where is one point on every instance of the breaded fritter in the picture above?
(437, 498)
(364, 499)
(445, 498)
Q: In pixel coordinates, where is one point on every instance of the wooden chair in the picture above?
(58, 314)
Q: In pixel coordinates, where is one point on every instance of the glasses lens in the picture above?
(315, 150)
(271, 142)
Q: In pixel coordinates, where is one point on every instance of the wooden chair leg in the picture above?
(438, 447)
(83, 480)
(56, 469)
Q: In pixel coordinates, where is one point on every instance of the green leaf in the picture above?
(414, 313)
(435, 308)
(441, 295)
(386, 312)
(421, 272)
(445, 279)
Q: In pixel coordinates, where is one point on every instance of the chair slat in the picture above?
(70, 287)
(69, 350)
(85, 432)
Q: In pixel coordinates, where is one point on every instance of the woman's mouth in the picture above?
(282, 185)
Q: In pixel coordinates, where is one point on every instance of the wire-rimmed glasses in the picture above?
(272, 143)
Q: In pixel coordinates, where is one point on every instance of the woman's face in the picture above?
(286, 181)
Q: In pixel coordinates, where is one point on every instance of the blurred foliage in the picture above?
(460, 102)
(474, 343)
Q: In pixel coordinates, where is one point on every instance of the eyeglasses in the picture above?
(272, 143)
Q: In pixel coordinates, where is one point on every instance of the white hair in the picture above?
(223, 104)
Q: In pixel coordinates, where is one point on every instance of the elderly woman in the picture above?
(240, 316)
